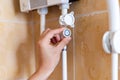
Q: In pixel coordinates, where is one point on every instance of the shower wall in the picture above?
(19, 34)
(86, 57)
(17, 59)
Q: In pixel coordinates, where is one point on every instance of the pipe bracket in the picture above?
(67, 20)
(111, 42)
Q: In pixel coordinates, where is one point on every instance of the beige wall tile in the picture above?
(87, 6)
(10, 10)
(17, 58)
(92, 63)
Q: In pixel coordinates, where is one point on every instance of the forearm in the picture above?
(52, 41)
(42, 74)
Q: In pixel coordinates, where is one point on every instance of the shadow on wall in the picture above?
(24, 57)
(16, 6)
(25, 52)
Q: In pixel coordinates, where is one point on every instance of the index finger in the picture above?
(52, 33)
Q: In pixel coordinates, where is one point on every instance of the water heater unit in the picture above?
(27, 5)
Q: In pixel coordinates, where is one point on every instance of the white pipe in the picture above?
(64, 11)
(42, 12)
(64, 8)
(42, 22)
(114, 15)
(64, 63)
(114, 19)
(114, 66)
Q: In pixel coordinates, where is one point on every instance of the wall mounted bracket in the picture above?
(111, 42)
(67, 19)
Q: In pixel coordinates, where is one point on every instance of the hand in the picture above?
(50, 45)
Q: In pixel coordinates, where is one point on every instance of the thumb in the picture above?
(63, 43)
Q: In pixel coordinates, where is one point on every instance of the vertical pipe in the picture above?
(64, 11)
(114, 15)
(64, 8)
(64, 63)
(114, 66)
(42, 12)
(114, 21)
(42, 22)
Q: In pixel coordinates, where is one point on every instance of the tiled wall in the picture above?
(86, 57)
(17, 59)
(19, 33)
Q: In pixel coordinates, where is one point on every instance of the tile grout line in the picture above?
(56, 18)
(91, 14)
(80, 15)
(15, 21)
(83, 15)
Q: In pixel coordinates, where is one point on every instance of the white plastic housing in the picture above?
(67, 19)
(27, 5)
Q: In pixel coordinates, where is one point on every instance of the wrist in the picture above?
(42, 73)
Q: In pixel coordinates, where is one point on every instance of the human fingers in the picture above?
(63, 43)
(58, 37)
(41, 38)
(54, 32)
(46, 31)
(55, 39)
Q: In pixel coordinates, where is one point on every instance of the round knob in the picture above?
(66, 32)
